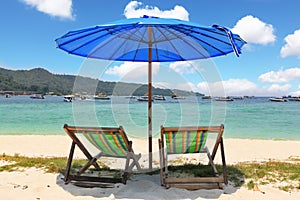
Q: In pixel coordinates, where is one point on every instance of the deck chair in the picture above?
(184, 140)
(111, 142)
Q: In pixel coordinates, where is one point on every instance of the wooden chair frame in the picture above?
(194, 182)
(73, 130)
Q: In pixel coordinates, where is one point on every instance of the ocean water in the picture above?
(255, 118)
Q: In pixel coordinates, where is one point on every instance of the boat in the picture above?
(143, 98)
(277, 99)
(159, 97)
(223, 99)
(69, 98)
(101, 96)
(175, 96)
(238, 97)
(294, 98)
(130, 97)
(206, 97)
(37, 96)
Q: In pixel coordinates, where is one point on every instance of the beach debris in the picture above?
(24, 187)
(256, 188)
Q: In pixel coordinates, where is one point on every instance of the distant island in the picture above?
(39, 80)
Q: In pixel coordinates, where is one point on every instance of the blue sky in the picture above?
(268, 66)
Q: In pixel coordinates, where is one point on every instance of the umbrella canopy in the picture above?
(171, 40)
(151, 39)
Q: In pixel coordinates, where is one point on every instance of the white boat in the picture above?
(294, 98)
(143, 98)
(159, 97)
(206, 97)
(175, 96)
(238, 97)
(101, 96)
(130, 97)
(223, 99)
(37, 96)
(278, 99)
(69, 98)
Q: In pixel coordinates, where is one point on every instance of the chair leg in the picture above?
(160, 162)
(224, 163)
(69, 163)
(91, 162)
(135, 161)
(127, 169)
(211, 162)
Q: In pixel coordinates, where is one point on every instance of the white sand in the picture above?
(35, 184)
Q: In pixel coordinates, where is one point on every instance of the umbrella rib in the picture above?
(119, 36)
(83, 36)
(158, 29)
(139, 44)
(188, 43)
(205, 36)
(139, 41)
(156, 49)
(86, 43)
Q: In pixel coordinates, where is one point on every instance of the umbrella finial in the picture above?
(146, 16)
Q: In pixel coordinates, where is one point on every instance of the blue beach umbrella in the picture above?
(151, 39)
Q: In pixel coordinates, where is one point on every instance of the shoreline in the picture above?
(139, 138)
(236, 150)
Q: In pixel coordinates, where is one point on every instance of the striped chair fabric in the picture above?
(185, 141)
(109, 142)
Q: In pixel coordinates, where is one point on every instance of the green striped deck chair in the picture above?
(111, 142)
(186, 140)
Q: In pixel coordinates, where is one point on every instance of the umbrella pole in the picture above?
(150, 95)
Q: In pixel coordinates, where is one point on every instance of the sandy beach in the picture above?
(36, 184)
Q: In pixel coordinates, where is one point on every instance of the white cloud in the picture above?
(55, 8)
(277, 90)
(134, 9)
(132, 70)
(280, 76)
(184, 67)
(292, 46)
(228, 87)
(242, 87)
(295, 93)
(188, 86)
(255, 31)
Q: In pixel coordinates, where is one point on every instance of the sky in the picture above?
(268, 66)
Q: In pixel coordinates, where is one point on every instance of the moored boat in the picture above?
(69, 98)
(223, 99)
(278, 99)
(206, 97)
(175, 96)
(130, 97)
(143, 98)
(159, 97)
(101, 96)
(294, 98)
(37, 96)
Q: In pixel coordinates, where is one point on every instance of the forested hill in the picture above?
(39, 80)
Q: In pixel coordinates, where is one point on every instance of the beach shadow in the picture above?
(144, 186)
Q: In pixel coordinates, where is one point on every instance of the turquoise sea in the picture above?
(256, 118)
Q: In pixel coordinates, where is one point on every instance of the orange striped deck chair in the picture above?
(111, 142)
(185, 140)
